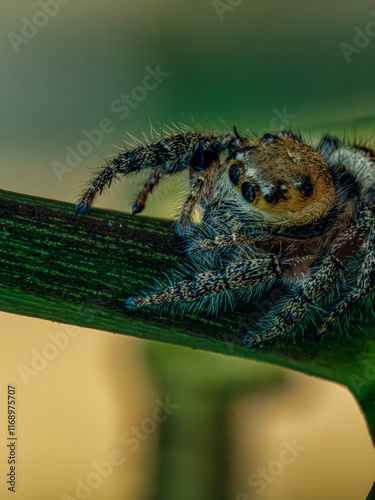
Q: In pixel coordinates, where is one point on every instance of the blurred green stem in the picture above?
(194, 456)
(78, 270)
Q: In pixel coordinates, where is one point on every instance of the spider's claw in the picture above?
(251, 340)
(82, 208)
(137, 209)
(318, 337)
(129, 304)
(246, 341)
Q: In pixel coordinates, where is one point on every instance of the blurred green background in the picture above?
(233, 69)
(254, 64)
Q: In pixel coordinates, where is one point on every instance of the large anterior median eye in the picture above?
(248, 191)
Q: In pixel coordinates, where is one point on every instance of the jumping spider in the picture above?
(274, 210)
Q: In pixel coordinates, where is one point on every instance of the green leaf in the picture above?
(79, 270)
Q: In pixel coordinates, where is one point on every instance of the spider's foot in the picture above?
(130, 303)
(252, 340)
(82, 208)
(137, 302)
(319, 337)
(137, 208)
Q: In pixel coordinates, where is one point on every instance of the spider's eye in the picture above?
(268, 198)
(268, 138)
(248, 191)
(307, 188)
(234, 174)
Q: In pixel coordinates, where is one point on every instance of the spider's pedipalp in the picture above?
(201, 184)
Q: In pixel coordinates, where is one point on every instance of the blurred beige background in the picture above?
(256, 65)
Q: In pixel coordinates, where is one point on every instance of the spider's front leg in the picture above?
(167, 156)
(205, 285)
(310, 291)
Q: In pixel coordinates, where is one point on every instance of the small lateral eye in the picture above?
(307, 188)
(268, 138)
(268, 198)
(248, 191)
(234, 174)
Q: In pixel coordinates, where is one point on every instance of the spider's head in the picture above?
(282, 181)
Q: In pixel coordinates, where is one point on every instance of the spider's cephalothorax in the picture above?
(275, 209)
(283, 183)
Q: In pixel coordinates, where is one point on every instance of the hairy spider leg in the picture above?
(204, 285)
(174, 153)
(223, 241)
(366, 278)
(310, 291)
(365, 286)
(149, 185)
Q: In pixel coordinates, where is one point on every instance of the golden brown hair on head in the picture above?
(282, 181)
